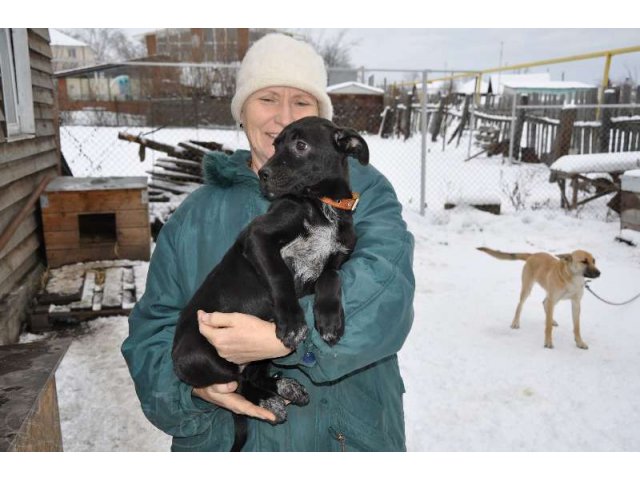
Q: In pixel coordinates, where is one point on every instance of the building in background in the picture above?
(200, 45)
(68, 52)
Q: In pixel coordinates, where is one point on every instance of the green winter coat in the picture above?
(355, 387)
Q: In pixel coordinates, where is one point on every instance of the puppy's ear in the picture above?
(566, 257)
(350, 142)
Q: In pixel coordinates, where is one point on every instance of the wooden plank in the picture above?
(19, 169)
(42, 80)
(7, 215)
(140, 279)
(66, 239)
(64, 221)
(78, 316)
(25, 229)
(93, 202)
(112, 292)
(17, 191)
(43, 95)
(29, 406)
(58, 257)
(128, 289)
(12, 261)
(17, 276)
(43, 112)
(41, 63)
(39, 44)
(134, 236)
(132, 218)
(180, 163)
(163, 174)
(45, 128)
(59, 222)
(10, 152)
(86, 300)
(41, 32)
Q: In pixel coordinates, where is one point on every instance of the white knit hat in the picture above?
(277, 60)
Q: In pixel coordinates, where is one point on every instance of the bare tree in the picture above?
(108, 44)
(335, 50)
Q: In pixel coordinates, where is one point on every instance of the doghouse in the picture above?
(102, 218)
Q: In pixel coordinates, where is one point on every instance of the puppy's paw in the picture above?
(515, 326)
(548, 345)
(582, 345)
(292, 390)
(291, 328)
(330, 323)
(277, 406)
(292, 335)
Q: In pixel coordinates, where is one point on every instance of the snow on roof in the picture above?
(597, 162)
(534, 81)
(550, 84)
(354, 88)
(630, 181)
(59, 38)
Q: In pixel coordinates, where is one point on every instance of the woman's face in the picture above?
(267, 111)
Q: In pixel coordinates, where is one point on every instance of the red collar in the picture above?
(344, 204)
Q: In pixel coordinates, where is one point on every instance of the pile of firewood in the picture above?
(180, 171)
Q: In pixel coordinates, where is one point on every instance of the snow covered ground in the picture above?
(473, 384)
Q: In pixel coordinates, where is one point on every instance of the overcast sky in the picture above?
(427, 47)
(477, 49)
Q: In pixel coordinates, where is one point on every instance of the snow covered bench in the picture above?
(592, 169)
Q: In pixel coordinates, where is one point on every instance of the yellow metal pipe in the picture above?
(572, 58)
(605, 77)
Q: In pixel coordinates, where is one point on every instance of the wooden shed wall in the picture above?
(23, 164)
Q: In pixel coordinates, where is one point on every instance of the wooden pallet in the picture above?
(91, 290)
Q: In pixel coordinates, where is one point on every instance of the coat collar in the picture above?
(226, 170)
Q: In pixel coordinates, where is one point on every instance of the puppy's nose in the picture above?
(264, 174)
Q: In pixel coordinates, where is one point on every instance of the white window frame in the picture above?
(17, 89)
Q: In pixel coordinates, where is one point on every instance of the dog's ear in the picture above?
(565, 257)
(350, 142)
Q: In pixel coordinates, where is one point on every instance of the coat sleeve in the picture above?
(166, 401)
(377, 291)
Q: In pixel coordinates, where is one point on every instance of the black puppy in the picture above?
(294, 249)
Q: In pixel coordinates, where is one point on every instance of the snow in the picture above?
(630, 181)
(597, 162)
(61, 39)
(472, 383)
(354, 88)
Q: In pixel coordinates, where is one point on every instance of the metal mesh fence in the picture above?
(442, 148)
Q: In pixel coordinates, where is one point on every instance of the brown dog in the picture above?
(561, 277)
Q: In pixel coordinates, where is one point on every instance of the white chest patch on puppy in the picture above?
(307, 254)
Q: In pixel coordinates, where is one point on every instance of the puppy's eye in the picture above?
(301, 146)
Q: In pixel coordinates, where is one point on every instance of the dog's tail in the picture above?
(240, 424)
(504, 255)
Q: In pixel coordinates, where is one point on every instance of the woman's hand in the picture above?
(241, 338)
(223, 395)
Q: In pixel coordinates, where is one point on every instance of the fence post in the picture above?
(423, 152)
(514, 146)
(514, 102)
(562, 142)
(605, 126)
(472, 127)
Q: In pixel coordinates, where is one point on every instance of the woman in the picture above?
(355, 387)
